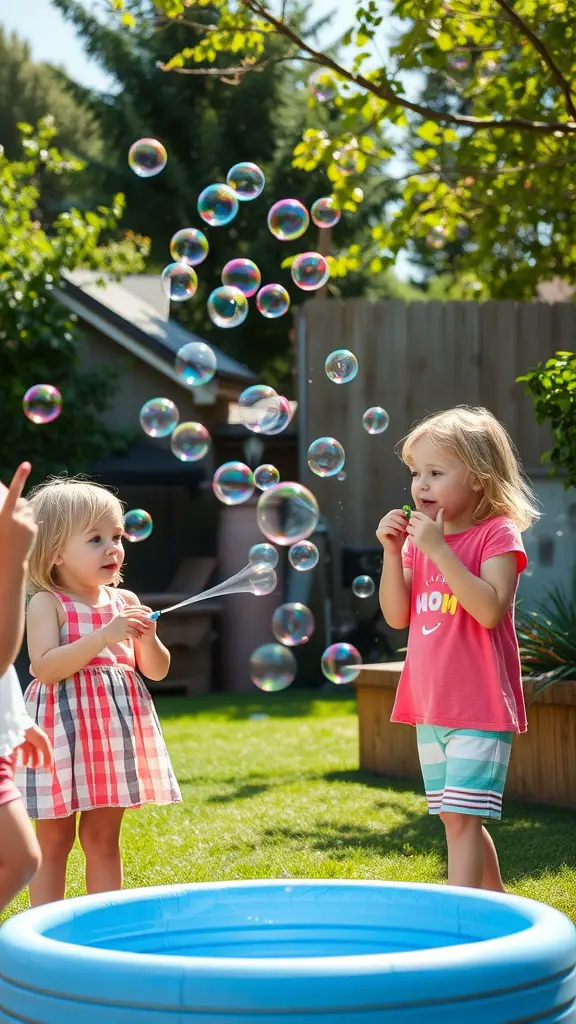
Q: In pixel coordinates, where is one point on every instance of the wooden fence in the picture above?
(414, 359)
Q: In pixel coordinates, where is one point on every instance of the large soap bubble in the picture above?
(323, 85)
(266, 476)
(179, 281)
(326, 456)
(272, 667)
(341, 663)
(190, 442)
(218, 205)
(233, 483)
(310, 271)
(227, 307)
(286, 513)
(325, 213)
(195, 363)
(247, 180)
(137, 525)
(303, 555)
(263, 554)
(147, 157)
(42, 403)
(293, 624)
(272, 301)
(288, 219)
(341, 366)
(375, 420)
(190, 246)
(158, 417)
(259, 408)
(242, 274)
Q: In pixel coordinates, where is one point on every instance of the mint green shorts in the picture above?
(464, 770)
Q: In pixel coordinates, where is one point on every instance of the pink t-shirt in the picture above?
(457, 673)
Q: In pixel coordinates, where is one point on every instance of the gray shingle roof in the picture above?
(135, 305)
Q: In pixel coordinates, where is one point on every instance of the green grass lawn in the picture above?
(282, 796)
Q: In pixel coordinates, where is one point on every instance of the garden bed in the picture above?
(543, 763)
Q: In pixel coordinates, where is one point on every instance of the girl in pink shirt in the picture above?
(451, 573)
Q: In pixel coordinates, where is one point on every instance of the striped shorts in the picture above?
(464, 770)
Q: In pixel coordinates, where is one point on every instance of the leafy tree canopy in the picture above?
(490, 160)
(39, 338)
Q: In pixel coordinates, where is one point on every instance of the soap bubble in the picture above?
(259, 408)
(272, 301)
(341, 475)
(158, 417)
(283, 417)
(137, 525)
(242, 274)
(263, 554)
(218, 205)
(310, 271)
(147, 157)
(293, 624)
(436, 238)
(341, 663)
(460, 61)
(246, 180)
(375, 420)
(286, 513)
(272, 667)
(189, 246)
(227, 307)
(325, 213)
(266, 476)
(363, 586)
(323, 85)
(262, 578)
(341, 366)
(233, 483)
(42, 403)
(195, 363)
(303, 555)
(288, 219)
(179, 281)
(190, 442)
(326, 456)
(347, 157)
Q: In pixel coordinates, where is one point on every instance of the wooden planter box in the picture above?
(543, 763)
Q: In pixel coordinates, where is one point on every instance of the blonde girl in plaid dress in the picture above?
(88, 642)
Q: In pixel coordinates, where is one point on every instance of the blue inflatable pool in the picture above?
(328, 952)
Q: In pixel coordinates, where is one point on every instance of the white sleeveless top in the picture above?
(14, 719)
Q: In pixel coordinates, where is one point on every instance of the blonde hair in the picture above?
(63, 506)
(474, 436)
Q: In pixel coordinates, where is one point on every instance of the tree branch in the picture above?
(384, 92)
(543, 51)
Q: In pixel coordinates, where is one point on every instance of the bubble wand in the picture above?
(255, 578)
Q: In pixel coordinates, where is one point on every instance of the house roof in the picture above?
(147, 462)
(134, 313)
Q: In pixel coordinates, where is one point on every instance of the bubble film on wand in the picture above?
(255, 578)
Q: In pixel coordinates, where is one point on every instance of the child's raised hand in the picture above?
(36, 750)
(129, 624)
(149, 626)
(391, 531)
(17, 527)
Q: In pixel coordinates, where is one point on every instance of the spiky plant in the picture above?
(547, 638)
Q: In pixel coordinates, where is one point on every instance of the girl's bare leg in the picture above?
(19, 852)
(56, 838)
(99, 835)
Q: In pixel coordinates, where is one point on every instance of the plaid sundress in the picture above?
(108, 745)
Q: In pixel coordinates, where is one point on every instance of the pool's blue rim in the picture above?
(23, 946)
